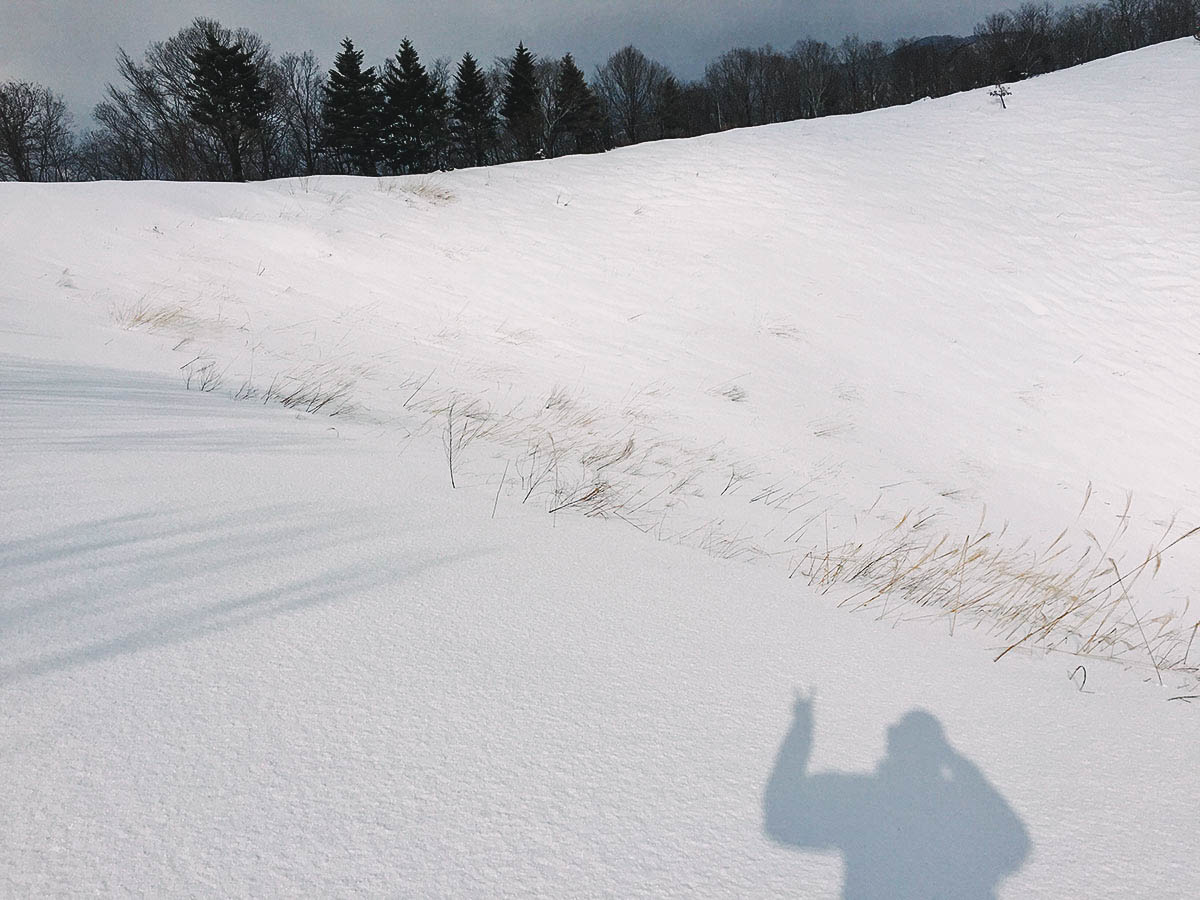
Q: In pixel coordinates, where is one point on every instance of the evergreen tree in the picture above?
(352, 114)
(580, 125)
(226, 94)
(521, 109)
(473, 124)
(414, 112)
(670, 112)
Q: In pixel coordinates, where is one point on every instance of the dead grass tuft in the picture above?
(143, 315)
(323, 388)
(422, 187)
(1060, 598)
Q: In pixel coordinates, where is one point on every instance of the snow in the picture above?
(248, 650)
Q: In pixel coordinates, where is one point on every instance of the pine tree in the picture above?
(520, 108)
(226, 94)
(580, 125)
(473, 124)
(352, 115)
(414, 113)
(670, 113)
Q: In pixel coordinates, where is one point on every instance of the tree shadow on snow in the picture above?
(926, 823)
(62, 408)
(123, 585)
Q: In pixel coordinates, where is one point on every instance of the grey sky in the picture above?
(70, 45)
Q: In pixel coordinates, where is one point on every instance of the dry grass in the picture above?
(145, 316)
(325, 389)
(1060, 598)
(730, 390)
(1074, 595)
(202, 375)
(422, 187)
(318, 388)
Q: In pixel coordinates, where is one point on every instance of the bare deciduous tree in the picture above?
(1079, 34)
(1169, 19)
(1127, 19)
(298, 80)
(731, 80)
(628, 84)
(816, 76)
(148, 116)
(35, 133)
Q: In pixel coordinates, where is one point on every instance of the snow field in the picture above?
(852, 346)
(244, 654)
(253, 641)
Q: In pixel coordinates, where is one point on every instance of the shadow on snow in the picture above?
(926, 823)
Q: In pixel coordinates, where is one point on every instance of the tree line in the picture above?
(213, 103)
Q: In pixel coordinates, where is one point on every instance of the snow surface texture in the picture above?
(247, 650)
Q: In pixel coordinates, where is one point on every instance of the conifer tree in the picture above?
(521, 109)
(473, 122)
(352, 114)
(580, 125)
(669, 112)
(414, 113)
(226, 94)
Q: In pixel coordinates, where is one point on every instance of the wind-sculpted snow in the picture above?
(248, 652)
(282, 608)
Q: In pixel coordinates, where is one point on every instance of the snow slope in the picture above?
(248, 650)
(245, 655)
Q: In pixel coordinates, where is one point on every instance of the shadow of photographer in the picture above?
(926, 823)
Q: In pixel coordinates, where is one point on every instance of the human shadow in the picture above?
(926, 823)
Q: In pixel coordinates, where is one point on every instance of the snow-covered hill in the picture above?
(882, 360)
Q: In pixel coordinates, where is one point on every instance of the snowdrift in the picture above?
(903, 350)
(282, 604)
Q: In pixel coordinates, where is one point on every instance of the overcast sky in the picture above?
(70, 45)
